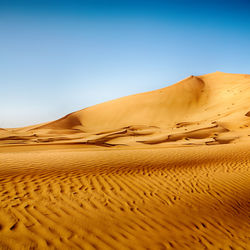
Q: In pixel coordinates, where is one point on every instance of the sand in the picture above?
(166, 169)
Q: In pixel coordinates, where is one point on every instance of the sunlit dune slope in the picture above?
(216, 104)
(203, 97)
(151, 108)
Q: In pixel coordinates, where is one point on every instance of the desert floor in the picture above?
(79, 197)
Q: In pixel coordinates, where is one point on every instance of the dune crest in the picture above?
(170, 114)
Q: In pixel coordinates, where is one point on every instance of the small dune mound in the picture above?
(70, 121)
(201, 133)
(105, 138)
(223, 139)
(248, 114)
(183, 124)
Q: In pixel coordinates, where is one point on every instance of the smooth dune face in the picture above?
(166, 169)
(150, 108)
(197, 103)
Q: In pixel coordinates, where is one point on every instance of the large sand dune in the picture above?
(215, 104)
(166, 169)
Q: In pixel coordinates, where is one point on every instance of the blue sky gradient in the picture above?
(61, 56)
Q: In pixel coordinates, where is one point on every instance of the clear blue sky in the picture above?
(61, 56)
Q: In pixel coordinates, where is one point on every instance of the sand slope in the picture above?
(198, 102)
(166, 169)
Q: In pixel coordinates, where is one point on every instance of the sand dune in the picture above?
(150, 108)
(166, 169)
(193, 99)
(172, 112)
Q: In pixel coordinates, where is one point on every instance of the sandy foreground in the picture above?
(163, 169)
(154, 198)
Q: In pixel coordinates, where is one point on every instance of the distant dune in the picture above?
(165, 169)
(211, 108)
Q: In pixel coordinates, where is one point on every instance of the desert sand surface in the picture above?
(166, 169)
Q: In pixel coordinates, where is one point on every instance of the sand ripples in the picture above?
(125, 199)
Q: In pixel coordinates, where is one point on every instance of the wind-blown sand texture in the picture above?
(166, 169)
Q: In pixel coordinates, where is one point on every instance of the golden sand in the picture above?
(166, 169)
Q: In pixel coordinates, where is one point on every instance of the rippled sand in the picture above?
(155, 198)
